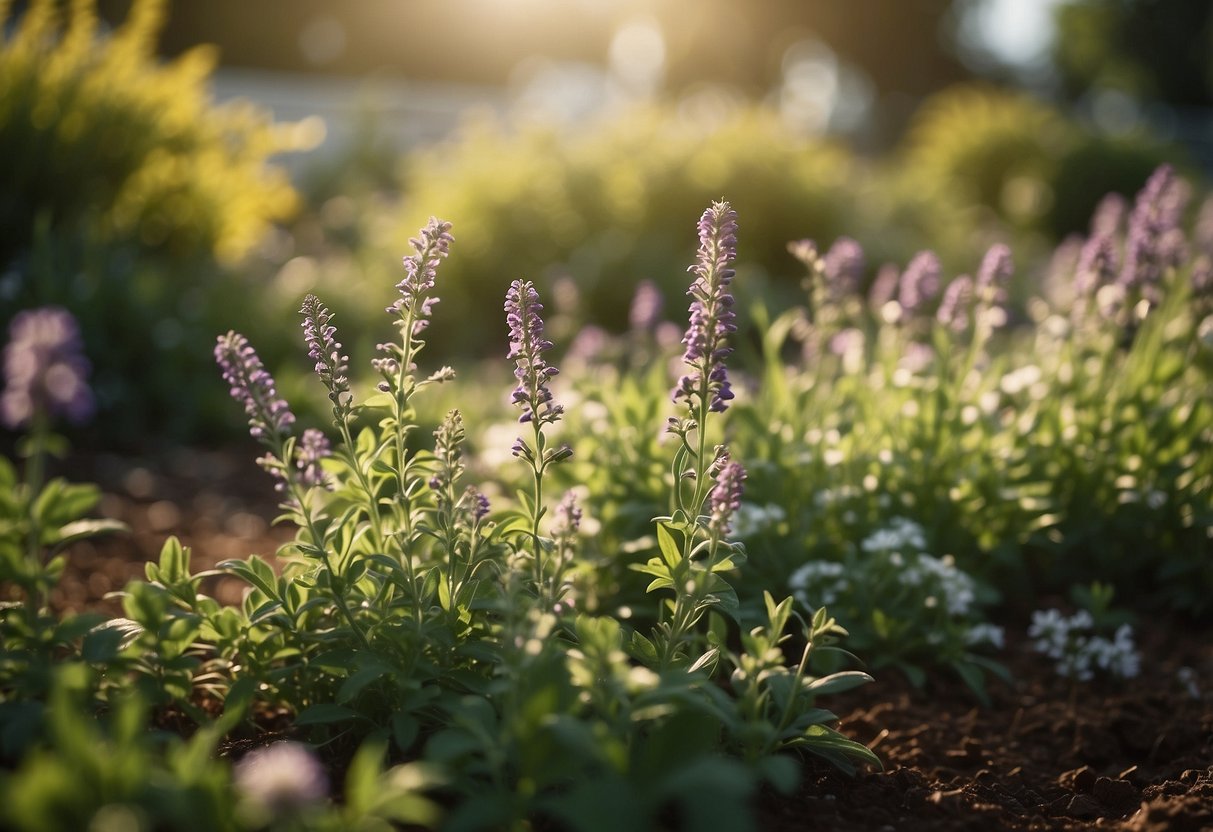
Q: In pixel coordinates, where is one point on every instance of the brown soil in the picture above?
(1046, 754)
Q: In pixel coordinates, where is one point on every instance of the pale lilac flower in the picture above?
(884, 287)
(432, 245)
(725, 497)
(919, 282)
(331, 366)
(45, 369)
(281, 778)
(588, 344)
(954, 306)
(712, 316)
(1155, 241)
(843, 267)
(1096, 264)
(645, 311)
(1109, 215)
(995, 272)
(313, 446)
(527, 346)
(567, 521)
(252, 386)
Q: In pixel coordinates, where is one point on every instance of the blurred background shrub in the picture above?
(124, 192)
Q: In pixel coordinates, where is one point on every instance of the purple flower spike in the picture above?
(1096, 264)
(432, 246)
(527, 346)
(478, 502)
(323, 348)
(313, 446)
(568, 516)
(253, 387)
(1155, 241)
(1109, 215)
(843, 267)
(884, 287)
(725, 499)
(712, 316)
(45, 369)
(996, 270)
(645, 311)
(954, 306)
(920, 281)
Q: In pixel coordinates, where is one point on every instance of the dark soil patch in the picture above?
(1136, 755)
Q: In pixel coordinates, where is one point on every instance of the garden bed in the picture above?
(1046, 754)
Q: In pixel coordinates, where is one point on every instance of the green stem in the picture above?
(317, 539)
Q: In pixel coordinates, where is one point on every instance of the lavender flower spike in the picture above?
(432, 246)
(725, 499)
(1155, 240)
(325, 350)
(919, 282)
(568, 516)
(45, 369)
(313, 446)
(843, 267)
(253, 387)
(527, 346)
(711, 309)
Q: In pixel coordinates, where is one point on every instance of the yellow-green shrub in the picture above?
(607, 206)
(100, 138)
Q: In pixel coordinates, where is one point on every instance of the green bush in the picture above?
(100, 139)
(608, 206)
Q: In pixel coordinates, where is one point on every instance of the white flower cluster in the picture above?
(899, 535)
(900, 544)
(1078, 651)
(750, 519)
(824, 577)
(983, 633)
(956, 589)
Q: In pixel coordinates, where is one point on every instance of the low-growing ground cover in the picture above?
(652, 607)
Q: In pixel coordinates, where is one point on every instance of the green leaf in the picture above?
(255, 571)
(838, 749)
(643, 649)
(84, 529)
(362, 778)
(358, 680)
(838, 682)
(671, 552)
